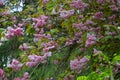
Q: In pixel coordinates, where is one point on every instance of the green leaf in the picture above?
(108, 37)
(54, 31)
(1, 30)
(93, 76)
(82, 78)
(116, 59)
(30, 30)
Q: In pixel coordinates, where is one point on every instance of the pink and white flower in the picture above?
(16, 65)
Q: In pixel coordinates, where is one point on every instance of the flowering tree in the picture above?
(59, 39)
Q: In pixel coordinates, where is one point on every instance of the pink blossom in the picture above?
(80, 26)
(17, 78)
(83, 60)
(9, 35)
(112, 17)
(40, 21)
(79, 4)
(48, 46)
(47, 54)
(69, 77)
(36, 40)
(35, 19)
(18, 31)
(5, 78)
(24, 46)
(114, 7)
(45, 1)
(80, 17)
(66, 13)
(74, 63)
(16, 65)
(34, 60)
(10, 29)
(48, 36)
(101, 1)
(1, 2)
(69, 42)
(118, 2)
(2, 74)
(91, 39)
(11, 32)
(78, 34)
(111, 33)
(46, 49)
(6, 13)
(78, 64)
(39, 36)
(88, 22)
(26, 75)
(43, 17)
(20, 24)
(31, 64)
(95, 51)
(89, 43)
(98, 15)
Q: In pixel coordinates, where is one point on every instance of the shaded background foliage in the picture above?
(100, 66)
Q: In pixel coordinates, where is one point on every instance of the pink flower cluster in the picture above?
(1, 2)
(79, 4)
(112, 17)
(16, 65)
(45, 1)
(80, 26)
(24, 46)
(40, 21)
(78, 64)
(35, 59)
(2, 74)
(91, 39)
(89, 22)
(95, 51)
(98, 15)
(69, 77)
(39, 36)
(78, 34)
(69, 42)
(6, 13)
(111, 33)
(114, 7)
(11, 32)
(66, 13)
(25, 77)
(101, 1)
(48, 46)
(78, 37)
